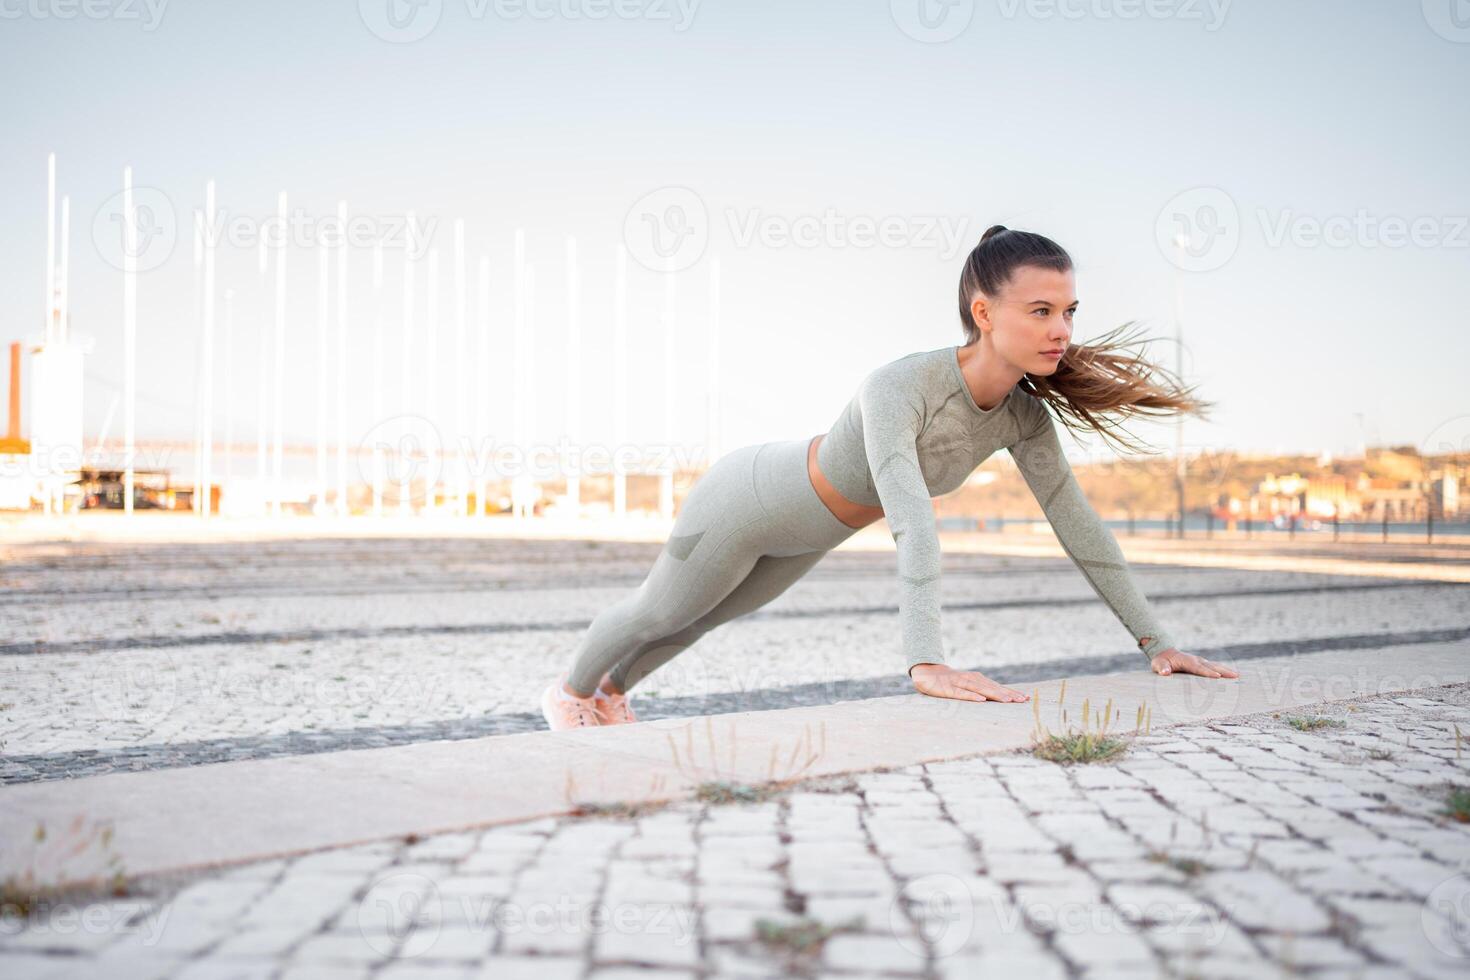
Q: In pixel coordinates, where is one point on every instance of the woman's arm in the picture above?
(891, 422)
(1083, 535)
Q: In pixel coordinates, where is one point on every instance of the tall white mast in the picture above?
(278, 490)
(461, 429)
(130, 337)
(377, 385)
(574, 374)
(342, 509)
(620, 382)
(207, 435)
(50, 244)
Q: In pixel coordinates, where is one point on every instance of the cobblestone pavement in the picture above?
(129, 656)
(1244, 848)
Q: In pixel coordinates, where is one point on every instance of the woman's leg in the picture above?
(770, 576)
(751, 526)
(718, 536)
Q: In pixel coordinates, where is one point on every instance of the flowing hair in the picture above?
(1096, 386)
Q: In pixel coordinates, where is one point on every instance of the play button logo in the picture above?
(401, 21)
(1450, 19)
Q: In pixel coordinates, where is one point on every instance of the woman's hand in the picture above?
(943, 681)
(1173, 661)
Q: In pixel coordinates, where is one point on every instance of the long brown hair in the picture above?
(1096, 386)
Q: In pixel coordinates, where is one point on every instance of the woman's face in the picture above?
(1031, 316)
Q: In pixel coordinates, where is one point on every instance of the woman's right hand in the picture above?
(943, 681)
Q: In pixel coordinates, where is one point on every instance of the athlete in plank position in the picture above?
(763, 515)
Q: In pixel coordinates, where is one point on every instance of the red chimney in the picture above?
(12, 432)
(13, 443)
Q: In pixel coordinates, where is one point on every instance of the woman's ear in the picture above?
(980, 313)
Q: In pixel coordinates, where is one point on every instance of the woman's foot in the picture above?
(613, 708)
(563, 710)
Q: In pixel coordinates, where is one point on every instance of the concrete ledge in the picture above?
(211, 815)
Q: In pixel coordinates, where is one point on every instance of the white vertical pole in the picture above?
(198, 325)
(262, 422)
(620, 383)
(377, 385)
(323, 271)
(50, 245)
(713, 438)
(342, 509)
(482, 387)
(1180, 242)
(405, 484)
(278, 489)
(530, 392)
(229, 448)
(206, 442)
(431, 389)
(574, 375)
(518, 376)
(130, 337)
(63, 320)
(666, 476)
(461, 440)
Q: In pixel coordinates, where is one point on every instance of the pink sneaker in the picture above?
(614, 709)
(563, 711)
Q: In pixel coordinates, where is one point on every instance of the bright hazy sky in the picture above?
(1292, 134)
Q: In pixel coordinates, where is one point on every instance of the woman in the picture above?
(763, 515)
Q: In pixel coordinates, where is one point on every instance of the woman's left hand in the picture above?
(1173, 661)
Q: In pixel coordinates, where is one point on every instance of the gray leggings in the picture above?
(751, 526)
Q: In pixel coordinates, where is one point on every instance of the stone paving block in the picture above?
(738, 963)
(741, 896)
(457, 942)
(416, 970)
(923, 861)
(323, 971)
(494, 862)
(974, 966)
(530, 968)
(252, 943)
(1259, 900)
(667, 937)
(1311, 952)
(1101, 944)
(648, 890)
(236, 969)
(1345, 881)
(653, 847)
(759, 874)
(638, 973)
(1414, 875)
(347, 947)
(728, 924)
(550, 934)
(874, 913)
(872, 953)
(514, 839)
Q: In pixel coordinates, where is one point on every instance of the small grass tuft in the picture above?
(803, 936)
(1312, 723)
(1080, 747)
(722, 791)
(1189, 867)
(42, 881)
(1090, 743)
(1457, 804)
(617, 810)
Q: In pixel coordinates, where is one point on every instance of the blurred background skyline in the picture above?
(1310, 149)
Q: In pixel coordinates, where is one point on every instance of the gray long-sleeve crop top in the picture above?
(912, 432)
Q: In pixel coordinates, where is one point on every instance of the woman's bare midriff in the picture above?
(849, 513)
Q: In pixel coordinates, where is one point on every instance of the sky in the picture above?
(834, 161)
